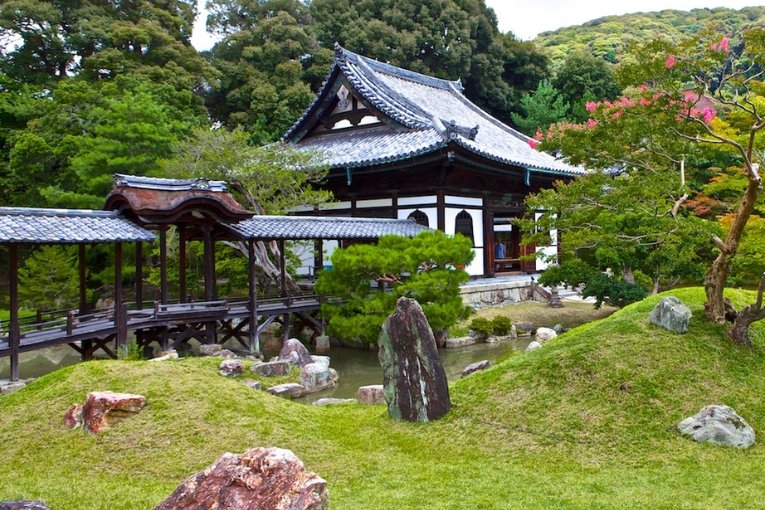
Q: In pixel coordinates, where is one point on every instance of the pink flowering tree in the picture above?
(689, 104)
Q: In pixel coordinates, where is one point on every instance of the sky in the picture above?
(527, 18)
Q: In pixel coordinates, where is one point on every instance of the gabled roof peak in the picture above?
(344, 55)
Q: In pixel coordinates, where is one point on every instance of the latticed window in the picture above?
(464, 225)
(420, 217)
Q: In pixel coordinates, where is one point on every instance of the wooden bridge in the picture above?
(198, 210)
(167, 325)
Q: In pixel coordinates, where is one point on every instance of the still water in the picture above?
(354, 367)
(360, 368)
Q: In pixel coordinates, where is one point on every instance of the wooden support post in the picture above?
(83, 284)
(488, 240)
(209, 247)
(14, 334)
(283, 288)
(441, 210)
(163, 264)
(139, 275)
(120, 321)
(182, 264)
(318, 257)
(254, 339)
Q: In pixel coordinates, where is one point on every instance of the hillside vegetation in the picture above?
(586, 422)
(610, 35)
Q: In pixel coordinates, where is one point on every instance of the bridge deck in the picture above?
(102, 325)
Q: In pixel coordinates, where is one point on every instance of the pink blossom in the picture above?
(617, 114)
(533, 143)
(713, 46)
(592, 122)
(708, 114)
(670, 63)
(724, 44)
(550, 134)
(645, 101)
(643, 87)
(590, 106)
(538, 135)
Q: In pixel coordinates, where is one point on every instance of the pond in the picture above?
(360, 368)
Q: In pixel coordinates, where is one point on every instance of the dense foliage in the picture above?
(368, 279)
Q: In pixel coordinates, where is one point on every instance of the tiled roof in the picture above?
(323, 227)
(428, 114)
(67, 226)
(157, 183)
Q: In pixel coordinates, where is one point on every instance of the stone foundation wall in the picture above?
(492, 294)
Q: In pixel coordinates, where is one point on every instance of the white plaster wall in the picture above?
(455, 200)
(547, 251)
(477, 215)
(430, 212)
(337, 205)
(429, 199)
(380, 202)
(329, 248)
(475, 268)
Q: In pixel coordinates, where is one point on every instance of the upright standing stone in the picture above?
(295, 352)
(415, 383)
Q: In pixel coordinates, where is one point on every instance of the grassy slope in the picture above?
(586, 422)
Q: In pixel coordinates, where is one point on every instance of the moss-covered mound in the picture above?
(586, 422)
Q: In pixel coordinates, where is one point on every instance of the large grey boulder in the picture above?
(260, 478)
(414, 380)
(718, 424)
(23, 504)
(545, 335)
(671, 314)
(295, 352)
(271, 369)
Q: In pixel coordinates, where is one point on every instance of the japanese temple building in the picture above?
(404, 145)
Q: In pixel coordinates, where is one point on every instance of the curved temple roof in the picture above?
(424, 114)
(67, 226)
(323, 227)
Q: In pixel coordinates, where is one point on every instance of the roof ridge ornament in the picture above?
(453, 130)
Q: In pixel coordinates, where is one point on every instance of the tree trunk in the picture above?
(714, 281)
(739, 331)
(655, 289)
(627, 274)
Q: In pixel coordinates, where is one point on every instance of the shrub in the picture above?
(482, 326)
(501, 325)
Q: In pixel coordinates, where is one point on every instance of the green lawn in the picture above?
(586, 422)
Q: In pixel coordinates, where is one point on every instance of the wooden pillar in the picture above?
(441, 210)
(283, 289)
(488, 240)
(209, 247)
(14, 335)
(394, 206)
(163, 264)
(83, 305)
(139, 275)
(120, 321)
(253, 303)
(182, 264)
(318, 256)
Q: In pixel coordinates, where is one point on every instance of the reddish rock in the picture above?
(295, 352)
(103, 409)
(73, 416)
(259, 479)
(271, 369)
(231, 368)
(288, 390)
(372, 394)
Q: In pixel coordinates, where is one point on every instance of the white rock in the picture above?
(533, 346)
(545, 335)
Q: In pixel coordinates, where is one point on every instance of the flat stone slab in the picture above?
(288, 390)
(271, 369)
(332, 401)
(475, 367)
(11, 387)
(460, 341)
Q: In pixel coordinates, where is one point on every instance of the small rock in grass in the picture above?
(671, 314)
(332, 401)
(533, 346)
(545, 335)
(23, 504)
(271, 369)
(718, 424)
(210, 349)
(255, 385)
(372, 394)
(103, 409)
(288, 390)
(231, 367)
(475, 367)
